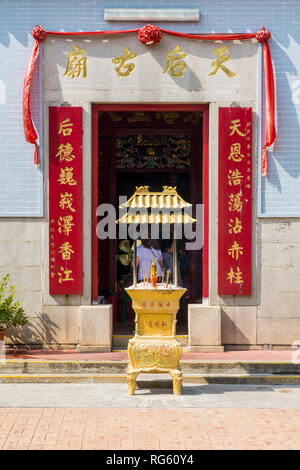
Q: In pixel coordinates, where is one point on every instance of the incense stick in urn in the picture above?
(168, 275)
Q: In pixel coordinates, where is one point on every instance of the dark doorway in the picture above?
(155, 149)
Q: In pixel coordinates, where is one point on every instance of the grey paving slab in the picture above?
(115, 396)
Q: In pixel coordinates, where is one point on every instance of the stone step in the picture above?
(152, 381)
(36, 366)
(33, 366)
(120, 342)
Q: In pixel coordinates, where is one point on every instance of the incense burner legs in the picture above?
(131, 380)
(176, 375)
(177, 381)
(149, 355)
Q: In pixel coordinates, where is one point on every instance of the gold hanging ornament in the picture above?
(125, 259)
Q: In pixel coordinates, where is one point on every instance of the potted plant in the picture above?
(11, 313)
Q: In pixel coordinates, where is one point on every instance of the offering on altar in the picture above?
(149, 285)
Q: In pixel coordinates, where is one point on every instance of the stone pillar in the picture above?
(204, 323)
(95, 328)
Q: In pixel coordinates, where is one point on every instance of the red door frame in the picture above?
(205, 188)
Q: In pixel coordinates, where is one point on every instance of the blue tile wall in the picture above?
(21, 184)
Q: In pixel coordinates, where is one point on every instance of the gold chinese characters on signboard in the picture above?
(123, 69)
(222, 58)
(124, 66)
(76, 63)
(174, 64)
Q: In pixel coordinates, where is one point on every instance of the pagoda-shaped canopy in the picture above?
(166, 207)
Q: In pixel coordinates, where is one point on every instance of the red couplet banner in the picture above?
(65, 200)
(235, 201)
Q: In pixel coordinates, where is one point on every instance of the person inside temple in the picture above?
(147, 253)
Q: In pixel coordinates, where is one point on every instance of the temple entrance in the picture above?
(155, 149)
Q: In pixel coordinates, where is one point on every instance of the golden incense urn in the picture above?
(154, 348)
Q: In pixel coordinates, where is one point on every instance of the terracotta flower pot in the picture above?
(2, 334)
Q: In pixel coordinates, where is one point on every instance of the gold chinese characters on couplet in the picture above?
(235, 200)
(65, 223)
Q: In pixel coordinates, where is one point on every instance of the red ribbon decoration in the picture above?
(29, 130)
(263, 36)
(151, 35)
(30, 133)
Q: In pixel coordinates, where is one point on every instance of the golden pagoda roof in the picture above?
(168, 199)
(156, 219)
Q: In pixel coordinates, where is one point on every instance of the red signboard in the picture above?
(235, 201)
(65, 200)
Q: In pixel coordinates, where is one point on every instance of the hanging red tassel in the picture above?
(36, 155)
(264, 162)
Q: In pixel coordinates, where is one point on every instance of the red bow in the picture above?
(150, 35)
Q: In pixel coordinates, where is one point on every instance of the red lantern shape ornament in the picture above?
(263, 35)
(39, 33)
(150, 35)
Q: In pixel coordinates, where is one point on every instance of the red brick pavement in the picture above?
(145, 429)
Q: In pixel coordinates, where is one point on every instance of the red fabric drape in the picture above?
(262, 36)
(270, 107)
(29, 130)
